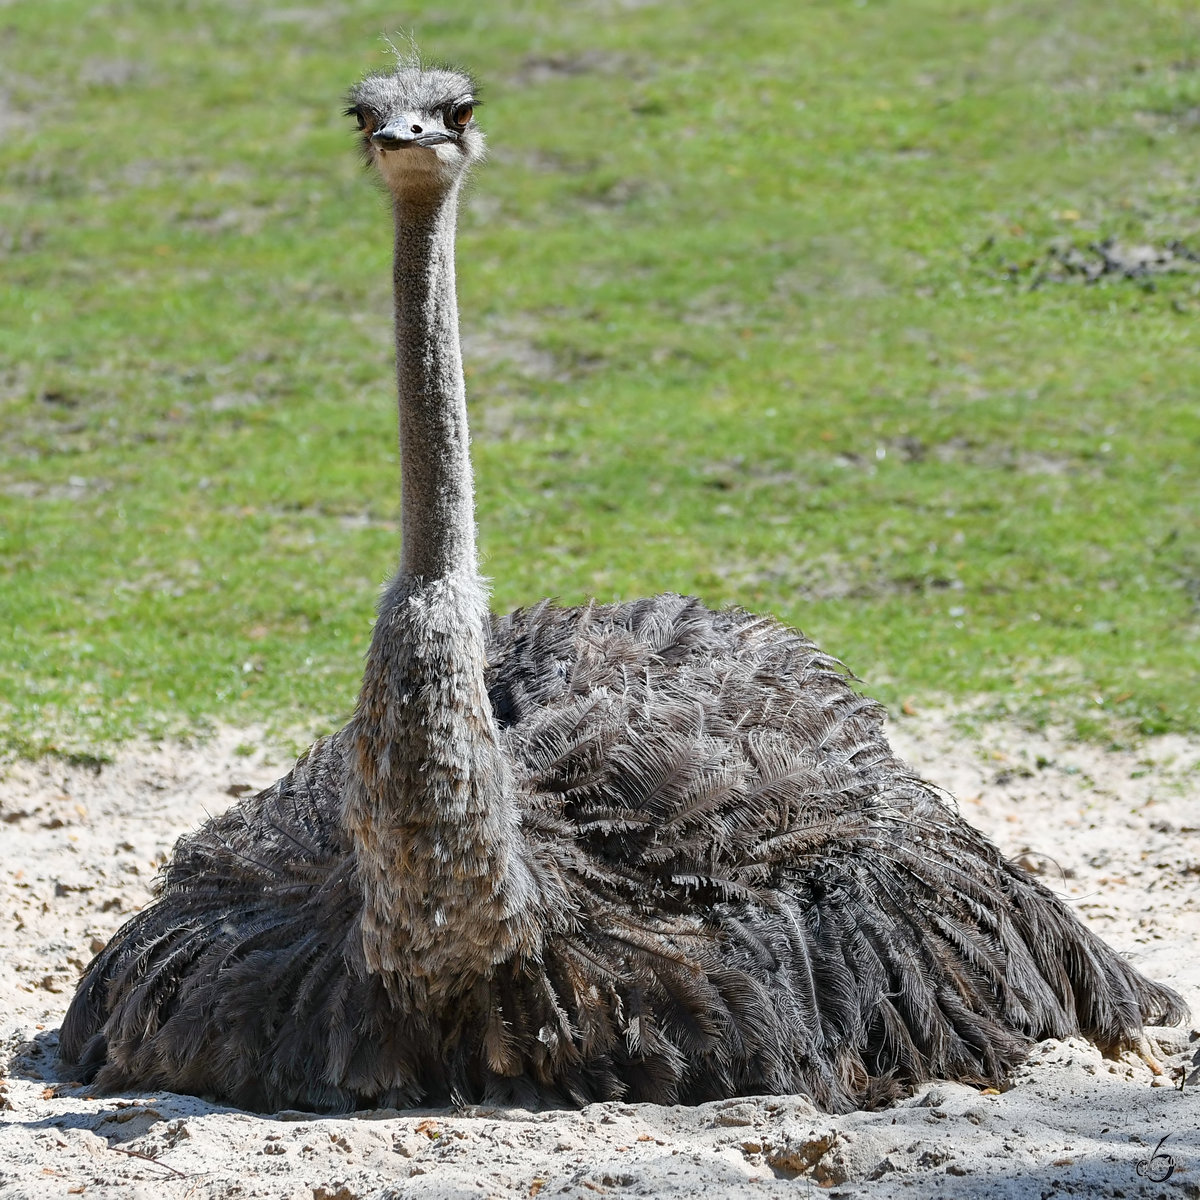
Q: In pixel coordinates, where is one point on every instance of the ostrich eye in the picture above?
(460, 114)
(360, 116)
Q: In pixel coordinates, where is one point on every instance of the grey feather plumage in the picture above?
(763, 900)
(647, 850)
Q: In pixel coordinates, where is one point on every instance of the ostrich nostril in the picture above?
(416, 129)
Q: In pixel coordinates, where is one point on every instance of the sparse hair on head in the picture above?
(409, 58)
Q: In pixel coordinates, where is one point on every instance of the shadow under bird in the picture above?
(646, 850)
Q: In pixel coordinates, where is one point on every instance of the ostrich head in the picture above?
(418, 128)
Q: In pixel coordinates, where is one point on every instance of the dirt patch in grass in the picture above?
(537, 69)
(1066, 261)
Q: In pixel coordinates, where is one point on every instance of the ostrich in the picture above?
(646, 850)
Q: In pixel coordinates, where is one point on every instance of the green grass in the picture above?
(747, 293)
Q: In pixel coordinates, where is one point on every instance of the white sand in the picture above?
(1117, 832)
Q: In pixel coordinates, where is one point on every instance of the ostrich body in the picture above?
(643, 850)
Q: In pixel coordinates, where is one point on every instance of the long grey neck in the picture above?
(438, 504)
(430, 799)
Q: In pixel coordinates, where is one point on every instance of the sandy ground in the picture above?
(1117, 832)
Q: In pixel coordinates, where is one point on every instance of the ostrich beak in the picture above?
(395, 135)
